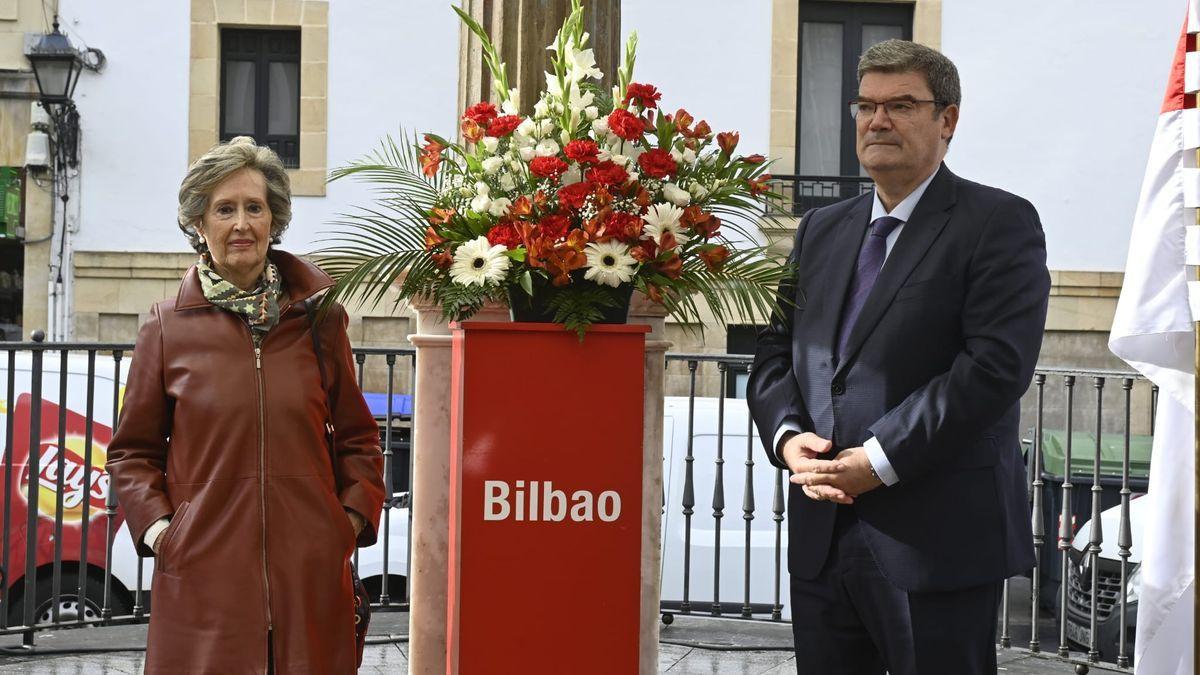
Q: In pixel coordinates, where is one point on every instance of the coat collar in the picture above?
(301, 280)
(922, 228)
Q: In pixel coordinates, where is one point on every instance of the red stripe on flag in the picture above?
(1191, 41)
(1176, 99)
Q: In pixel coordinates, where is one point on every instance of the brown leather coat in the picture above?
(232, 447)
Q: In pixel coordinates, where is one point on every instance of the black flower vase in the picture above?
(536, 308)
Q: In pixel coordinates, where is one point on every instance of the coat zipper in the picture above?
(262, 469)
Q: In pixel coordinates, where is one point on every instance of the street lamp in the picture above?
(56, 66)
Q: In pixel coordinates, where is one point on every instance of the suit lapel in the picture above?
(919, 233)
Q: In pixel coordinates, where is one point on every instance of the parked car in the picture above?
(1108, 577)
(71, 471)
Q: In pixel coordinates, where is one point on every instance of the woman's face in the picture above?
(237, 227)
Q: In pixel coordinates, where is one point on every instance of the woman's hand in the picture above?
(356, 521)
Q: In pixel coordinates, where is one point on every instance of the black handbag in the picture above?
(362, 601)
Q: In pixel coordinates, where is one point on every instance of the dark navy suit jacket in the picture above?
(934, 369)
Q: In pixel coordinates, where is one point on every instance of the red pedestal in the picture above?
(545, 499)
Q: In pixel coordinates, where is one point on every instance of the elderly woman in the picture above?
(221, 459)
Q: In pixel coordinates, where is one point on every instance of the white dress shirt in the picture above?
(902, 212)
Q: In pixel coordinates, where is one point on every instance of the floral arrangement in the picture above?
(569, 208)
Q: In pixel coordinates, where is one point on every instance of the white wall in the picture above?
(391, 64)
(711, 57)
(1059, 103)
(133, 118)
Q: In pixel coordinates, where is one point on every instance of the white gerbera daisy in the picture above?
(663, 218)
(477, 262)
(609, 263)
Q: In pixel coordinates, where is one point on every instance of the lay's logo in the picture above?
(75, 482)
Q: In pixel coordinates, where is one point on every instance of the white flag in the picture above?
(1153, 331)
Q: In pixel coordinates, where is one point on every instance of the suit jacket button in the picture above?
(838, 388)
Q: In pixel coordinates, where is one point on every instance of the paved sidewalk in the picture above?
(691, 645)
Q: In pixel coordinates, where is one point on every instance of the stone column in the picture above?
(521, 31)
(643, 311)
(431, 488)
(431, 485)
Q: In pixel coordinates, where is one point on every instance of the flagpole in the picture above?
(1196, 522)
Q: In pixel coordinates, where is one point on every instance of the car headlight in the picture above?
(1134, 586)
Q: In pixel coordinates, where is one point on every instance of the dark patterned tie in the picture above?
(870, 261)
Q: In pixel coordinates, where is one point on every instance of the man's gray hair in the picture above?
(219, 163)
(902, 56)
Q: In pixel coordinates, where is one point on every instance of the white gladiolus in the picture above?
(546, 148)
(582, 64)
(509, 107)
(676, 195)
(499, 207)
(544, 128)
(507, 182)
(540, 109)
(490, 143)
(552, 86)
(564, 137)
(492, 164)
(526, 153)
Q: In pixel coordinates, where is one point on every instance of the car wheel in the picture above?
(70, 608)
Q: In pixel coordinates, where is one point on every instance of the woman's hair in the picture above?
(223, 160)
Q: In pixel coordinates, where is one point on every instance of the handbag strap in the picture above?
(311, 310)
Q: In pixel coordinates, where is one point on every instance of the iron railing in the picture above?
(802, 193)
(58, 398)
(1083, 630)
(704, 544)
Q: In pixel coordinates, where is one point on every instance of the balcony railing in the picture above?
(803, 193)
(1087, 454)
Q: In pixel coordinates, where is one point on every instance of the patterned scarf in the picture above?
(259, 307)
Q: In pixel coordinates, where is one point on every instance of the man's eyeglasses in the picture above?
(897, 109)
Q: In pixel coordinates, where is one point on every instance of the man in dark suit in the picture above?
(889, 382)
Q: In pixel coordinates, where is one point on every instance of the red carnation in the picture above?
(657, 163)
(575, 194)
(505, 234)
(547, 167)
(607, 173)
(584, 152)
(645, 94)
(554, 226)
(481, 113)
(503, 126)
(625, 124)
